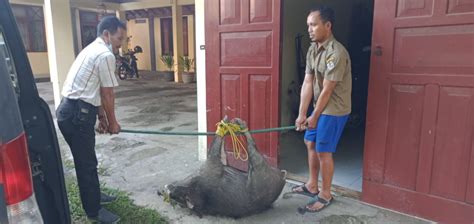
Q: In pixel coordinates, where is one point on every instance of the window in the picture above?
(185, 36)
(88, 21)
(8, 60)
(30, 21)
(166, 25)
(167, 36)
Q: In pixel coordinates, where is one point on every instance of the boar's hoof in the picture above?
(240, 122)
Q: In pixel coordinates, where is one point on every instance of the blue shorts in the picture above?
(327, 134)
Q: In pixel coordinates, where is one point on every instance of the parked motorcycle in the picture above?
(127, 64)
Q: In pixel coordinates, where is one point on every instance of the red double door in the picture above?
(419, 147)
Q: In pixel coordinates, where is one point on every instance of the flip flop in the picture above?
(312, 200)
(325, 203)
(305, 191)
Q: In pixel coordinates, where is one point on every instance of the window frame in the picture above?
(29, 22)
(166, 33)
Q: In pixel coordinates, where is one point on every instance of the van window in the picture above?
(9, 61)
(10, 119)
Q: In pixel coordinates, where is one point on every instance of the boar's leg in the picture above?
(256, 160)
(215, 149)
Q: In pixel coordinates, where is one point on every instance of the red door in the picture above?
(243, 68)
(419, 153)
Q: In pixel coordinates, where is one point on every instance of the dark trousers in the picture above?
(76, 120)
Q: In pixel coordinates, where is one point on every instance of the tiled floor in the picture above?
(348, 158)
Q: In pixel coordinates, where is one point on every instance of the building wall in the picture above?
(191, 37)
(39, 64)
(38, 60)
(140, 33)
(293, 22)
(140, 36)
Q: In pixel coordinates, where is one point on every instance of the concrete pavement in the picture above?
(143, 164)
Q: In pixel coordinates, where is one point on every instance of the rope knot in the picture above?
(224, 128)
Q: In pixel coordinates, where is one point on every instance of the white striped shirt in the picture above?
(93, 68)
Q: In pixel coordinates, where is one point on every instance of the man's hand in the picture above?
(103, 125)
(300, 123)
(114, 128)
(108, 101)
(312, 121)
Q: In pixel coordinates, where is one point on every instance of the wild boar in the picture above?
(218, 189)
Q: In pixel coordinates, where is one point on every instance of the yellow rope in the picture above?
(238, 148)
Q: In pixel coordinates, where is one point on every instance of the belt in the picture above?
(80, 103)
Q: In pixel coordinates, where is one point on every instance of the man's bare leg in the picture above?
(313, 165)
(327, 173)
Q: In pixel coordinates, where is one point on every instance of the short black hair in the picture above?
(326, 13)
(110, 23)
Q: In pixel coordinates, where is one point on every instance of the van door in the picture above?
(43, 147)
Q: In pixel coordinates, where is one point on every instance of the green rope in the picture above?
(202, 133)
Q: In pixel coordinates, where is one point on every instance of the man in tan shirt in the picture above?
(328, 78)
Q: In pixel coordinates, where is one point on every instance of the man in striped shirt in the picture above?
(87, 94)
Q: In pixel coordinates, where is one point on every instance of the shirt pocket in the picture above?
(321, 69)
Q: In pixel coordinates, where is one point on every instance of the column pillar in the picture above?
(177, 38)
(200, 55)
(122, 16)
(60, 42)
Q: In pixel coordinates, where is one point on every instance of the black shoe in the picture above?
(105, 216)
(106, 199)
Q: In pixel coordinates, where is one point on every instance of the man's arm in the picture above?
(306, 95)
(103, 124)
(323, 99)
(108, 104)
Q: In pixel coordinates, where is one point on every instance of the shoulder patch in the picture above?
(330, 62)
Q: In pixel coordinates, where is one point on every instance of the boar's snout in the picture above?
(177, 194)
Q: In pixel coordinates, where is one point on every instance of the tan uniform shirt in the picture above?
(332, 62)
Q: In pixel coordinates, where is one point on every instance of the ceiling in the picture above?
(118, 1)
(157, 12)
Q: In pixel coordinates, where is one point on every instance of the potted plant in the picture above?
(168, 61)
(188, 64)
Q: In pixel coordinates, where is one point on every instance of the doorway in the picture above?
(353, 28)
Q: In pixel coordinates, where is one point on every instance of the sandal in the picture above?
(305, 191)
(324, 202)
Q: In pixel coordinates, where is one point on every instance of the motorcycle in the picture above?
(127, 64)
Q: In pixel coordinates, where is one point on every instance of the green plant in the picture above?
(168, 61)
(123, 206)
(186, 62)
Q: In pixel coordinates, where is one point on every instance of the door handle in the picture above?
(378, 51)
